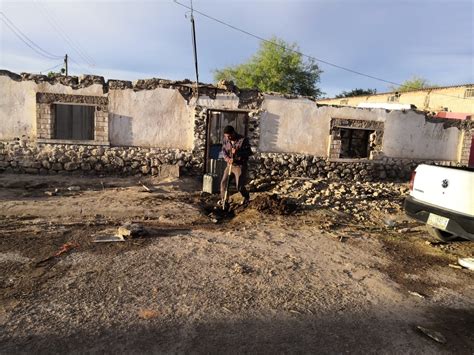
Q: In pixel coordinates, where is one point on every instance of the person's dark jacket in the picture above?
(242, 147)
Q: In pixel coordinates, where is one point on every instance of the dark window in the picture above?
(355, 143)
(74, 122)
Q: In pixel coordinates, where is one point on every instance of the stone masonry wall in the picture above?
(278, 165)
(466, 146)
(23, 156)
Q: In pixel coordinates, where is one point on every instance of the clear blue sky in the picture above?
(391, 39)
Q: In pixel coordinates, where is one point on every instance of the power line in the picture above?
(21, 36)
(49, 69)
(59, 30)
(301, 53)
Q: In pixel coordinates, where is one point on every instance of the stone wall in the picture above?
(277, 165)
(24, 156)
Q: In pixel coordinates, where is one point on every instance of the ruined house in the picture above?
(71, 125)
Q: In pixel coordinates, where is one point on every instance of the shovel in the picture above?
(226, 192)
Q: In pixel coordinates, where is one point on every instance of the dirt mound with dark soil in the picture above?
(273, 204)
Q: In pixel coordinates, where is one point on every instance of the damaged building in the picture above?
(86, 126)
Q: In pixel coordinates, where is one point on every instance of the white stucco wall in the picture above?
(158, 118)
(409, 135)
(299, 126)
(18, 104)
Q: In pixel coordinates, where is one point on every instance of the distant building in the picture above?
(459, 98)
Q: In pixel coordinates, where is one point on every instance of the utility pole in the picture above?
(65, 63)
(193, 28)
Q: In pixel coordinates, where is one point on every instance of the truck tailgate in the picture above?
(449, 188)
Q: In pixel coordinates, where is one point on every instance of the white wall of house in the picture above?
(158, 118)
(409, 135)
(299, 126)
(18, 104)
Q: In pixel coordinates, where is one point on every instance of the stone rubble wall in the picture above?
(278, 165)
(23, 156)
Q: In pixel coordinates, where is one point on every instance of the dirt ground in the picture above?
(311, 280)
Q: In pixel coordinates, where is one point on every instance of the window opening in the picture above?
(74, 122)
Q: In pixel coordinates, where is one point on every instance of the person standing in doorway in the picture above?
(236, 151)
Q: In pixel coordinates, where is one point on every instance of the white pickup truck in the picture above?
(443, 198)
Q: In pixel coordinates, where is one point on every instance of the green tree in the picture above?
(357, 92)
(277, 66)
(414, 83)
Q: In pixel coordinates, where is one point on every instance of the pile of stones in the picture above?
(357, 199)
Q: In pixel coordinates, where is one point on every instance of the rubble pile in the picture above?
(354, 198)
(273, 204)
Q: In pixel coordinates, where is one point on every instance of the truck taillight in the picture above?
(412, 180)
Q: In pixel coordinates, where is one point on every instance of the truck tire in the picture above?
(440, 234)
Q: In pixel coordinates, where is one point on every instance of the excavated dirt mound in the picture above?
(273, 204)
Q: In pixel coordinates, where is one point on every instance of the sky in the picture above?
(389, 39)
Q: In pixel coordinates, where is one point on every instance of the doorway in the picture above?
(217, 120)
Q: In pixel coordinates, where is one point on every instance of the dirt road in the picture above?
(313, 281)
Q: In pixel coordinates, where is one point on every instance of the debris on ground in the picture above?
(64, 249)
(413, 293)
(241, 269)
(146, 188)
(273, 204)
(108, 239)
(467, 263)
(436, 336)
(74, 188)
(131, 230)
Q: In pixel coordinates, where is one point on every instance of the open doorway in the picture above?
(217, 120)
(355, 143)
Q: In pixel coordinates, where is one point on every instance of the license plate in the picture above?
(437, 221)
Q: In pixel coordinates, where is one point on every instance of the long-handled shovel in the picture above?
(226, 192)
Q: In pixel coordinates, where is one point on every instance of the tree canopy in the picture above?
(414, 83)
(357, 92)
(277, 66)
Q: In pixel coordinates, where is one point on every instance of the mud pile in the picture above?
(273, 204)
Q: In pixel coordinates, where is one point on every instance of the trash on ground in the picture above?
(108, 239)
(468, 263)
(390, 223)
(74, 188)
(64, 249)
(147, 189)
(455, 266)
(436, 336)
(131, 230)
(413, 293)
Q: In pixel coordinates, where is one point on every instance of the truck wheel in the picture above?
(440, 234)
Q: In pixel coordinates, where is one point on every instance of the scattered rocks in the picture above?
(131, 230)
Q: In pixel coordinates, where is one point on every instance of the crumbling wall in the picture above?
(18, 99)
(411, 135)
(150, 118)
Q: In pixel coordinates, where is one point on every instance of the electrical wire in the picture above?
(49, 69)
(49, 16)
(35, 47)
(302, 54)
